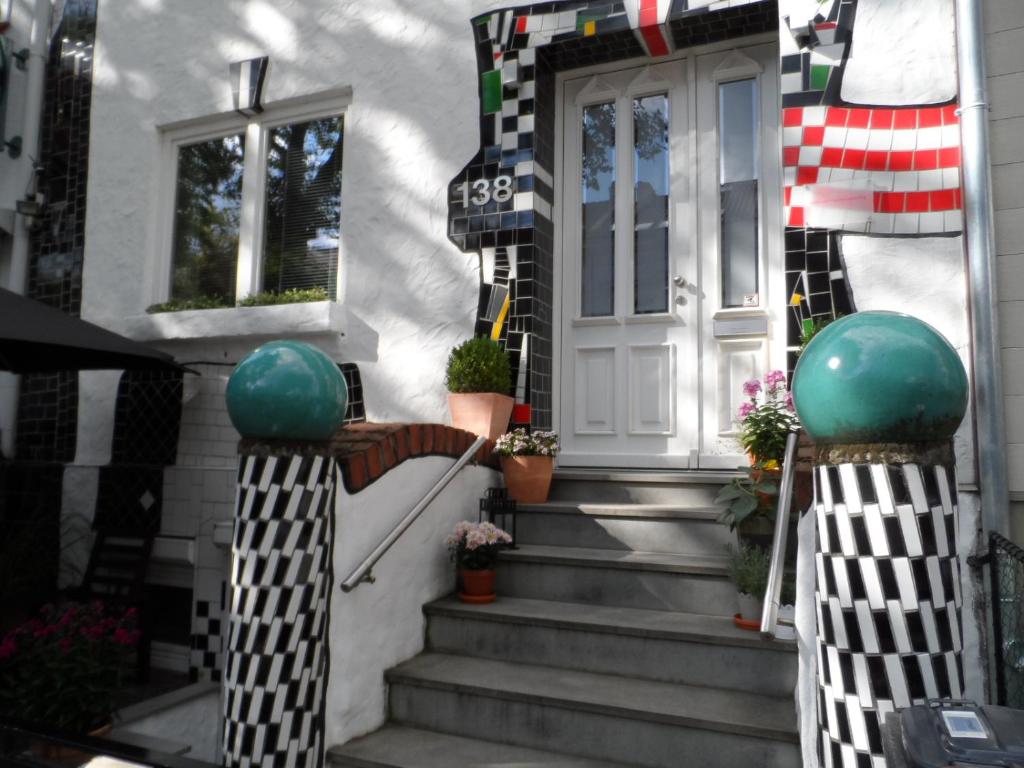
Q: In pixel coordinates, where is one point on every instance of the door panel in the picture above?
(595, 391)
(670, 240)
(651, 389)
(625, 235)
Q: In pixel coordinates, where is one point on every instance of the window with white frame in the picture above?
(257, 207)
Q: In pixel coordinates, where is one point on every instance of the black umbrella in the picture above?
(36, 338)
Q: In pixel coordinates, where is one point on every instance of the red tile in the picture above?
(930, 117)
(787, 194)
(796, 217)
(521, 25)
(943, 200)
(832, 157)
(957, 198)
(917, 202)
(881, 118)
(949, 115)
(854, 159)
(521, 413)
(901, 161)
(792, 117)
(926, 160)
(835, 117)
(859, 118)
(876, 160)
(806, 175)
(906, 119)
(949, 157)
(890, 202)
(814, 135)
(790, 156)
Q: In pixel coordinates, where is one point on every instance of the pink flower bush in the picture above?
(61, 670)
(766, 418)
(475, 546)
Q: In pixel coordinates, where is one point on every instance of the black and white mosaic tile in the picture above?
(887, 598)
(277, 656)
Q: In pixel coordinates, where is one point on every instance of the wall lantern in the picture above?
(247, 84)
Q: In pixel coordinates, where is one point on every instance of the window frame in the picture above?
(252, 218)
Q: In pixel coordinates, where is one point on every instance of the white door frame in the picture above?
(763, 350)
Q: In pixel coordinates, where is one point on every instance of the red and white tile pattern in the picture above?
(888, 171)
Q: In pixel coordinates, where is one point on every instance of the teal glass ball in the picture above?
(287, 390)
(879, 377)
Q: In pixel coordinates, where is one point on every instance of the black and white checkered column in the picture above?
(887, 598)
(277, 656)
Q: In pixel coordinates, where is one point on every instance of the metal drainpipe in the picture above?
(986, 361)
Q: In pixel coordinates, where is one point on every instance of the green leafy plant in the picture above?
(811, 327)
(181, 305)
(63, 668)
(475, 546)
(290, 296)
(748, 569)
(767, 418)
(263, 299)
(521, 442)
(749, 496)
(479, 365)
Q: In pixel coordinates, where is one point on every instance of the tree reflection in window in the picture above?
(206, 217)
(303, 206)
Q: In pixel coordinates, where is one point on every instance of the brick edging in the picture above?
(366, 452)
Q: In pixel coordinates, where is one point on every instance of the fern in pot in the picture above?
(479, 378)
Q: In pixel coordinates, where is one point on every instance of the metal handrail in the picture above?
(773, 594)
(363, 570)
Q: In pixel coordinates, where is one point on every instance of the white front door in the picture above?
(642, 279)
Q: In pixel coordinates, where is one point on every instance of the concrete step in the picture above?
(605, 717)
(396, 746)
(690, 488)
(672, 647)
(648, 580)
(619, 525)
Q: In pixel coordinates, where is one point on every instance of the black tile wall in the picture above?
(147, 418)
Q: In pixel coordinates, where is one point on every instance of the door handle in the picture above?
(680, 281)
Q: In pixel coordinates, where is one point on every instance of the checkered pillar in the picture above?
(277, 656)
(887, 598)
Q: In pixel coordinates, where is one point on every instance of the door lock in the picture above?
(680, 281)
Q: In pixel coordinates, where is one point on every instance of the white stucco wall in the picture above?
(903, 53)
(412, 124)
(378, 625)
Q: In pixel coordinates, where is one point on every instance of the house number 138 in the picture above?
(484, 190)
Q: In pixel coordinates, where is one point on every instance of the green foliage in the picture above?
(266, 298)
(180, 305)
(62, 669)
(811, 327)
(746, 497)
(748, 569)
(291, 296)
(767, 418)
(479, 365)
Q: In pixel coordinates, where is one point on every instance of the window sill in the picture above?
(279, 320)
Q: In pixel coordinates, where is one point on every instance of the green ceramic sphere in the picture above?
(879, 377)
(287, 390)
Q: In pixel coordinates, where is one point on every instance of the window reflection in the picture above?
(598, 195)
(738, 161)
(650, 204)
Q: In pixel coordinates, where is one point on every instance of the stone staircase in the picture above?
(611, 643)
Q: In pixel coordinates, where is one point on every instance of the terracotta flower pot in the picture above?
(476, 586)
(528, 478)
(482, 413)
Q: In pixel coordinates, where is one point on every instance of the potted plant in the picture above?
(474, 547)
(479, 378)
(748, 568)
(750, 502)
(766, 419)
(63, 668)
(528, 461)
